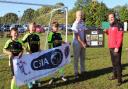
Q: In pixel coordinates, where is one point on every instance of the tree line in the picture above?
(95, 13)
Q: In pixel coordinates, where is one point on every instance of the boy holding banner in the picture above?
(33, 44)
(13, 47)
(55, 40)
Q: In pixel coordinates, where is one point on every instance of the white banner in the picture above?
(34, 66)
(125, 26)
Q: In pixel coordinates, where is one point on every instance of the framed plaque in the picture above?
(94, 38)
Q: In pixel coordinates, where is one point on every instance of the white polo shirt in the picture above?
(79, 27)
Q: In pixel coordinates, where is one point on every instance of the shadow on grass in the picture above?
(88, 75)
(126, 75)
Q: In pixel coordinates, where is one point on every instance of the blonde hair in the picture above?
(81, 14)
(79, 11)
(31, 24)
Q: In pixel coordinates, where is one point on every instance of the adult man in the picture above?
(115, 40)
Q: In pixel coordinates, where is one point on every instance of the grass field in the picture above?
(98, 67)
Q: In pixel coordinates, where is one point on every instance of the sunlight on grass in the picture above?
(98, 66)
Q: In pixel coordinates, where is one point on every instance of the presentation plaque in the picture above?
(94, 38)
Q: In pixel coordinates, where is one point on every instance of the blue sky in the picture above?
(19, 9)
(113, 3)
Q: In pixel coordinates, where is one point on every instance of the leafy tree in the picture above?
(123, 13)
(71, 16)
(28, 15)
(81, 3)
(60, 4)
(43, 10)
(10, 18)
(42, 15)
(1, 20)
(117, 8)
(95, 12)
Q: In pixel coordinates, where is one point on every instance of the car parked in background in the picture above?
(68, 27)
(25, 26)
(5, 27)
(39, 29)
(61, 26)
(19, 27)
(46, 28)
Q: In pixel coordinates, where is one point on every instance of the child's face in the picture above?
(54, 29)
(32, 28)
(14, 34)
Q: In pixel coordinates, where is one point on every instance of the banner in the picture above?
(34, 66)
(125, 26)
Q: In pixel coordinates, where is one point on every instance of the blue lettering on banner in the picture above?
(48, 60)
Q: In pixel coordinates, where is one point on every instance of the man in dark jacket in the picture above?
(115, 40)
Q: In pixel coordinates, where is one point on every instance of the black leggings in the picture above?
(12, 69)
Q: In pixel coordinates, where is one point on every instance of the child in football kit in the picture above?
(33, 45)
(13, 47)
(55, 40)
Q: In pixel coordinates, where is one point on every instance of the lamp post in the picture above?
(19, 17)
(66, 22)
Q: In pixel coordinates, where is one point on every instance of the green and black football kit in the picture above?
(14, 46)
(52, 37)
(33, 42)
(33, 45)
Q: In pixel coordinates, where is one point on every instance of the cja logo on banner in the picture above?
(34, 66)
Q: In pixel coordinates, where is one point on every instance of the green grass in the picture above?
(98, 66)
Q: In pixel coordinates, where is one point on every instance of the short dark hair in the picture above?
(112, 13)
(55, 24)
(14, 29)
